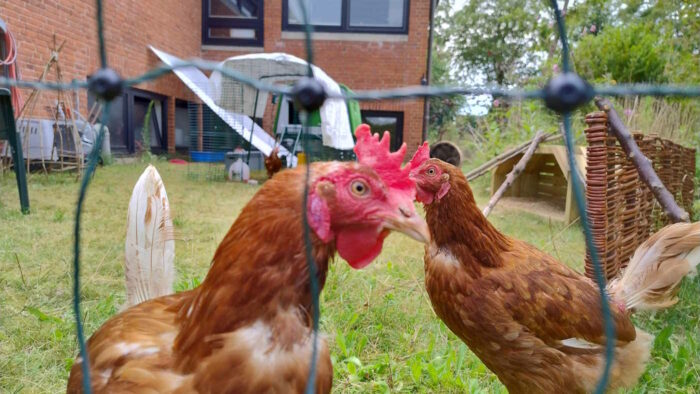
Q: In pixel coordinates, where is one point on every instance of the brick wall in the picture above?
(175, 27)
(361, 64)
(130, 25)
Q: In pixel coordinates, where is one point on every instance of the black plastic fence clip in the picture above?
(566, 92)
(106, 84)
(309, 94)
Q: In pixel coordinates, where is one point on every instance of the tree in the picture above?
(443, 110)
(630, 53)
(636, 40)
(497, 40)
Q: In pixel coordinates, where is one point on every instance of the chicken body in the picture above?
(533, 321)
(136, 352)
(247, 328)
(273, 163)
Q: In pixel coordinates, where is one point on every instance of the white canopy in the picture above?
(240, 123)
(233, 102)
(280, 68)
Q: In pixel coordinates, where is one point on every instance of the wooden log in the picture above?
(644, 166)
(517, 169)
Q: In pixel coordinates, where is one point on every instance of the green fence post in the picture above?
(8, 131)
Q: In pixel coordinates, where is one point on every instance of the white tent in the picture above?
(200, 85)
(234, 102)
(280, 68)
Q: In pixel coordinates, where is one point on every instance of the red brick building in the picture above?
(364, 44)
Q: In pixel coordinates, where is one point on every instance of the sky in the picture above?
(459, 4)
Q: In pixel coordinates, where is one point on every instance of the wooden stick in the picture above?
(486, 167)
(517, 169)
(643, 164)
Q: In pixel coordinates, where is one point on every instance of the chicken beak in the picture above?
(410, 223)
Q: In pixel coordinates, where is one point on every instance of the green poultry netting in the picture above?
(562, 94)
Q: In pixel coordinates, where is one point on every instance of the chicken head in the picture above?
(431, 176)
(359, 205)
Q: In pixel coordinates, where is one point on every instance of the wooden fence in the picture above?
(621, 209)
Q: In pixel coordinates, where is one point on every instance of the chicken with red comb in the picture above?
(247, 327)
(372, 151)
(532, 320)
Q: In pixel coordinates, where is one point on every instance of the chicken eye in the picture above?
(359, 188)
(431, 171)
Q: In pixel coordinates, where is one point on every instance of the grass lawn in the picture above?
(384, 334)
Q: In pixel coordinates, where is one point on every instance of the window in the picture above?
(380, 14)
(381, 121)
(127, 114)
(232, 22)
(182, 125)
(139, 109)
(116, 125)
(321, 13)
(355, 16)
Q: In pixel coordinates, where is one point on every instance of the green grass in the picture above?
(384, 334)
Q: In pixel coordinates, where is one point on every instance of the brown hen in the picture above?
(247, 328)
(533, 321)
(273, 163)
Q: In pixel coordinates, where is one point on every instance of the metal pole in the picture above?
(426, 100)
(252, 126)
(16, 148)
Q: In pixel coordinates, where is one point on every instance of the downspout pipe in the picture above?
(428, 66)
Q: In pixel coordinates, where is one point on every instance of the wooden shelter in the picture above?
(544, 188)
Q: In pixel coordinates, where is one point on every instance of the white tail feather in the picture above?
(654, 273)
(150, 249)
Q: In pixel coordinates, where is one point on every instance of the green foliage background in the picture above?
(514, 43)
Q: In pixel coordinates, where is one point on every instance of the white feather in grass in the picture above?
(655, 271)
(150, 248)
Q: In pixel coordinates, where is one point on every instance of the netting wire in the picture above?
(311, 264)
(388, 94)
(93, 158)
(608, 324)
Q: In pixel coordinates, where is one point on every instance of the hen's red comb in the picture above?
(376, 153)
(421, 155)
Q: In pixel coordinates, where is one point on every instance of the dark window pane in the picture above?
(233, 9)
(233, 22)
(321, 12)
(225, 32)
(115, 125)
(140, 110)
(380, 122)
(182, 125)
(376, 13)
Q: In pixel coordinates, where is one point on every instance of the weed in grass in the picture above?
(59, 215)
(178, 222)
